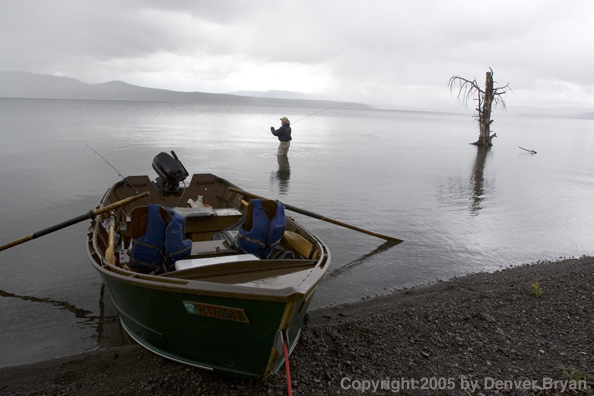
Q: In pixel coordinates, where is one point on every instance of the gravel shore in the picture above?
(481, 334)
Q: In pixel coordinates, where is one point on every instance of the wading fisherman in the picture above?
(284, 136)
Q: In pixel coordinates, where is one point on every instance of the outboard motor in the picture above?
(170, 171)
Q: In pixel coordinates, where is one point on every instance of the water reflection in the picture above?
(355, 263)
(78, 312)
(477, 180)
(468, 192)
(107, 328)
(282, 175)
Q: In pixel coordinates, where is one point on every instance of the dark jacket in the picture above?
(283, 133)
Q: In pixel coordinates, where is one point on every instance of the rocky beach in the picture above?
(526, 330)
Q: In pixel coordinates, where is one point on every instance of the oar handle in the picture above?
(17, 242)
(120, 203)
(320, 217)
(89, 215)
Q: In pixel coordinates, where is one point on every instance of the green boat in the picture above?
(219, 307)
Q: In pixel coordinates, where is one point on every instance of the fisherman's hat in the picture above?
(285, 120)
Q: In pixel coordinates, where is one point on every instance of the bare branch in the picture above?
(465, 89)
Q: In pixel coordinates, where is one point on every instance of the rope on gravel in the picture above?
(285, 342)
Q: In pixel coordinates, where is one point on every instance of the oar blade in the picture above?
(300, 244)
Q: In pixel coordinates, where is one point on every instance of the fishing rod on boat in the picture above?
(112, 167)
(89, 215)
(106, 161)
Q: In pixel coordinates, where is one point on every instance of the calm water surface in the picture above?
(411, 175)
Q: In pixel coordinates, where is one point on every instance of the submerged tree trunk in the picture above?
(484, 114)
(491, 96)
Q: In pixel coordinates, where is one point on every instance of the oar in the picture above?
(109, 255)
(320, 217)
(91, 214)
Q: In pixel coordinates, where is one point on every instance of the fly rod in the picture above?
(319, 111)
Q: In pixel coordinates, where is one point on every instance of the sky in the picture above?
(391, 52)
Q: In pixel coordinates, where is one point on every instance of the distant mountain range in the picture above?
(21, 84)
(586, 116)
(563, 112)
(274, 94)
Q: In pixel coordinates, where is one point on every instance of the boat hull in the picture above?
(161, 322)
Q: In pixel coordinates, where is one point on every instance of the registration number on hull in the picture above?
(217, 312)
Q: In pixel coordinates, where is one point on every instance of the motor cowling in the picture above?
(171, 172)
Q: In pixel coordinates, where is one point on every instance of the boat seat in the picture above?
(211, 247)
(200, 226)
(202, 262)
(205, 211)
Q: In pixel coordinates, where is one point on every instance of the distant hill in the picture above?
(280, 95)
(563, 112)
(585, 116)
(21, 84)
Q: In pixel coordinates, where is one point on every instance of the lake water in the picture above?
(411, 175)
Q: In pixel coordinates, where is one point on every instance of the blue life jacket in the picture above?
(265, 233)
(162, 244)
(176, 246)
(148, 254)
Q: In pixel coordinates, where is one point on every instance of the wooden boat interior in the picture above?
(211, 259)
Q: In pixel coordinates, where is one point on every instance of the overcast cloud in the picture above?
(394, 52)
